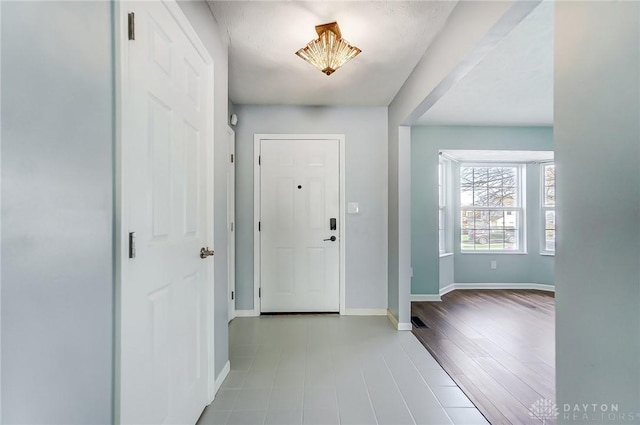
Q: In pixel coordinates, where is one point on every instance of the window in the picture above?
(442, 204)
(491, 208)
(548, 203)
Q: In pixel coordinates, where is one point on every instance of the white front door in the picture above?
(231, 214)
(300, 201)
(167, 206)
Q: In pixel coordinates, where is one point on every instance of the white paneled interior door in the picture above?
(299, 197)
(167, 203)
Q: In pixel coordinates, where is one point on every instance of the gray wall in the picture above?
(597, 144)
(472, 268)
(57, 212)
(207, 28)
(365, 131)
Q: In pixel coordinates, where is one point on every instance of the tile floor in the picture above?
(326, 370)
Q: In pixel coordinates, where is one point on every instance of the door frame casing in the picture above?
(121, 206)
(257, 143)
(231, 218)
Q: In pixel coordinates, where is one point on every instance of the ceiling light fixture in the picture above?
(329, 51)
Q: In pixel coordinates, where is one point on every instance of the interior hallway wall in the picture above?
(597, 144)
(365, 130)
(57, 212)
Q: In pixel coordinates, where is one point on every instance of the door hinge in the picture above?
(232, 295)
(132, 244)
(259, 226)
(232, 226)
(259, 292)
(259, 159)
(131, 26)
(232, 158)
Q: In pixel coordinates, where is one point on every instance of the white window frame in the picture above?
(519, 209)
(444, 206)
(544, 209)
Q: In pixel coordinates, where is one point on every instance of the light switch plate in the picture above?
(353, 208)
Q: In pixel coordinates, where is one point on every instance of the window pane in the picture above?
(440, 184)
(511, 220)
(510, 196)
(549, 172)
(549, 200)
(466, 197)
(467, 221)
(550, 240)
(550, 220)
(480, 176)
(494, 177)
(466, 176)
(481, 220)
(491, 187)
(497, 239)
(550, 175)
(480, 197)
(509, 176)
(549, 196)
(495, 196)
(510, 240)
(496, 220)
(489, 230)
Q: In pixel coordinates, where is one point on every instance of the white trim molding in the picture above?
(425, 297)
(247, 313)
(396, 325)
(464, 286)
(365, 312)
(405, 327)
(220, 378)
(392, 319)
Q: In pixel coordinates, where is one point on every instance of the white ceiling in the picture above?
(264, 36)
(512, 85)
(497, 156)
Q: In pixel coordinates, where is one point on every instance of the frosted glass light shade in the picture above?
(329, 51)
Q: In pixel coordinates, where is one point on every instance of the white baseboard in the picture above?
(405, 327)
(247, 313)
(396, 325)
(365, 312)
(425, 297)
(223, 375)
(392, 319)
(463, 286)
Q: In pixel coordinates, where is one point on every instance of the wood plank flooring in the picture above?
(497, 345)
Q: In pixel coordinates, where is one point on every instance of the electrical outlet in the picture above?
(494, 264)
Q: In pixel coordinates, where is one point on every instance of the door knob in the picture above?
(332, 239)
(206, 252)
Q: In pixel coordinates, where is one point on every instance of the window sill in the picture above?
(446, 254)
(548, 254)
(494, 252)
